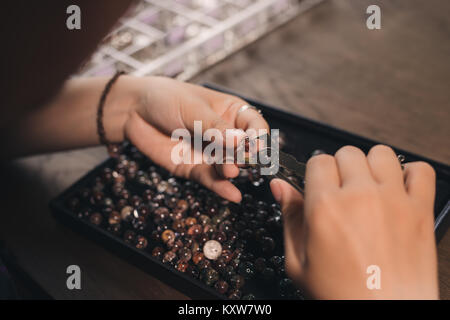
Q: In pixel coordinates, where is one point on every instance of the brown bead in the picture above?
(220, 236)
(168, 236)
(190, 221)
(178, 225)
(182, 205)
(198, 257)
(96, 218)
(185, 254)
(221, 286)
(237, 281)
(195, 230)
(161, 213)
(204, 264)
(157, 252)
(182, 266)
(204, 219)
(235, 295)
(141, 242)
(114, 218)
(129, 236)
(227, 255)
(195, 246)
(169, 257)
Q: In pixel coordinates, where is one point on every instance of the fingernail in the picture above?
(276, 190)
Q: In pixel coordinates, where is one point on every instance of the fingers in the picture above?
(321, 174)
(353, 166)
(291, 202)
(207, 176)
(420, 181)
(385, 167)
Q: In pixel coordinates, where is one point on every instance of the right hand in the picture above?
(360, 211)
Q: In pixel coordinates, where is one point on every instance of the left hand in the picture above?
(162, 105)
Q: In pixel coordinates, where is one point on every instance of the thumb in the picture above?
(291, 202)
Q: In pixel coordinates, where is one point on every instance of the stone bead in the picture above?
(178, 225)
(129, 236)
(195, 230)
(198, 257)
(185, 254)
(235, 295)
(115, 229)
(247, 270)
(157, 252)
(221, 286)
(276, 261)
(190, 221)
(96, 218)
(209, 276)
(168, 236)
(267, 245)
(204, 264)
(228, 272)
(139, 223)
(182, 266)
(237, 281)
(126, 213)
(193, 271)
(268, 274)
(249, 296)
(212, 249)
(260, 264)
(169, 257)
(204, 219)
(227, 255)
(141, 242)
(182, 205)
(114, 218)
(220, 236)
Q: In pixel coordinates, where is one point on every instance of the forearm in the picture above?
(69, 120)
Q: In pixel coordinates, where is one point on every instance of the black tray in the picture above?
(304, 136)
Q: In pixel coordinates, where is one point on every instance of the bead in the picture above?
(247, 270)
(169, 257)
(168, 236)
(178, 225)
(115, 229)
(193, 271)
(286, 287)
(126, 213)
(129, 236)
(237, 281)
(139, 223)
(185, 254)
(96, 218)
(260, 264)
(141, 242)
(228, 272)
(221, 286)
(204, 264)
(227, 255)
(235, 295)
(249, 296)
(220, 236)
(114, 218)
(276, 261)
(182, 266)
(220, 264)
(267, 244)
(157, 252)
(195, 230)
(209, 276)
(212, 249)
(198, 256)
(182, 205)
(204, 219)
(268, 274)
(190, 221)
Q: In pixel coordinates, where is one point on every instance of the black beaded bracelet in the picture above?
(113, 148)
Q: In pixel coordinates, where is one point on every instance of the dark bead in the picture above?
(121, 203)
(227, 255)
(97, 198)
(286, 287)
(204, 219)
(182, 266)
(83, 214)
(220, 236)
(73, 203)
(221, 286)
(228, 272)
(161, 213)
(172, 202)
(157, 252)
(178, 225)
(143, 210)
(155, 236)
(115, 229)
(249, 296)
(235, 295)
(129, 236)
(209, 276)
(267, 244)
(114, 218)
(185, 254)
(298, 295)
(220, 264)
(182, 205)
(237, 281)
(235, 263)
(96, 218)
(148, 195)
(225, 226)
(260, 234)
(141, 242)
(276, 261)
(193, 271)
(260, 264)
(139, 223)
(268, 274)
(240, 225)
(247, 270)
(204, 264)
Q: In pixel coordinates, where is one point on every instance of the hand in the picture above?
(360, 211)
(162, 105)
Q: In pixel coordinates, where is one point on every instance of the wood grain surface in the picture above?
(391, 85)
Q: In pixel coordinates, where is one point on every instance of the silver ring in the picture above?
(247, 107)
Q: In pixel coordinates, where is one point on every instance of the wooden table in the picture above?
(390, 85)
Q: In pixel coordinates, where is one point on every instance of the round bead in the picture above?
(157, 252)
(126, 213)
(247, 270)
(185, 254)
(198, 256)
(212, 249)
(221, 286)
(96, 218)
(235, 295)
(114, 218)
(237, 281)
(168, 236)
(141, 242)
